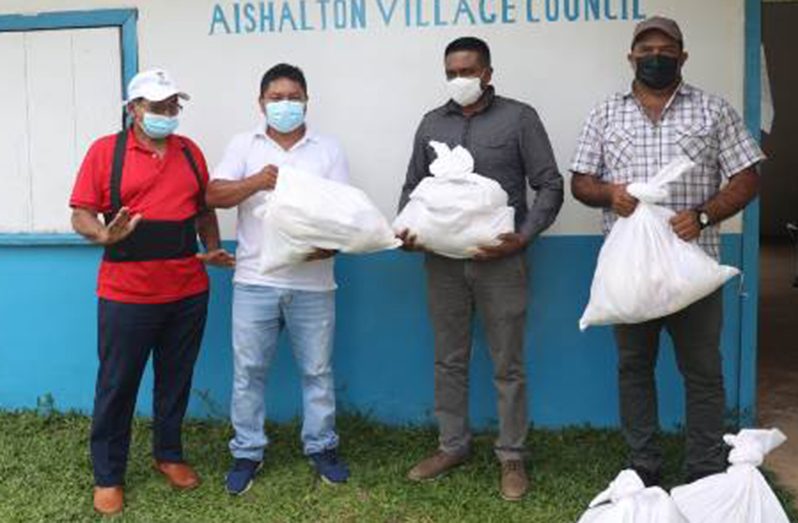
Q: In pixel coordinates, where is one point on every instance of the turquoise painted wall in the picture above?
(383, 359)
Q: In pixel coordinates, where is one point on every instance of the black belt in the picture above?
(151, 239)
(156, 240)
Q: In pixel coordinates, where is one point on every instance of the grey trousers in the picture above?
(695, 332)
(496, 290)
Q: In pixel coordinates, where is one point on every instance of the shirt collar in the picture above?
(134, 143)
(490, 96)
(684, 89)
(310, 136)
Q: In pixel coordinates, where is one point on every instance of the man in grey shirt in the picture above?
(509, 145)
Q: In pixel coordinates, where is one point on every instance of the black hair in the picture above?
(288, 71)
(470, 43)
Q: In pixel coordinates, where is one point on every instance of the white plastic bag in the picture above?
(455, 211)
(741, 494)
(627, 500)
(305, 212)
(644, 270)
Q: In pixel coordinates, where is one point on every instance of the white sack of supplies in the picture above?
(627, 500)
(305, 212)
(644, 269)
(741, 494)
(456, 211)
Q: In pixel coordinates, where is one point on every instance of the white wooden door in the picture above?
(60, 90)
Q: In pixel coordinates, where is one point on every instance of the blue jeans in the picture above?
(259, 314)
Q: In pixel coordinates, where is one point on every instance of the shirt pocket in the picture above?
(619, 150)
(698, 142)
(495, 151)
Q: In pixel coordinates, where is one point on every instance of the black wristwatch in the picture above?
(703, 218)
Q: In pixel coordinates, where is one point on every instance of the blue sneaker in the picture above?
(331, 469)
(241, 476)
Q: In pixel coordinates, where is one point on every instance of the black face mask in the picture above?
(657, 71)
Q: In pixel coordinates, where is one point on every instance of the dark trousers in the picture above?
(496, 290)
(127, 333)
(695, 332)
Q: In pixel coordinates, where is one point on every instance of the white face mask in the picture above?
(464, 91)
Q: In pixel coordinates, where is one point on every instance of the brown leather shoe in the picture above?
(109, 500)
(435, 466)
(180, 475)
(515, 483)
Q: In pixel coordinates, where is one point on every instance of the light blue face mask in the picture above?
(285, 116)
(158, 126)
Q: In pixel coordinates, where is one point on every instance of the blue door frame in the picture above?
(749, 300)
(125, 20)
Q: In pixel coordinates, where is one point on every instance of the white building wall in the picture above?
(370, 86)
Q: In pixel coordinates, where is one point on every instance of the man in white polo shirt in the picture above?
(300, 297)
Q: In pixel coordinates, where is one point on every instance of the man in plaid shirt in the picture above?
(629, 138)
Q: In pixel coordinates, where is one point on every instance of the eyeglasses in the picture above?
(166, 108)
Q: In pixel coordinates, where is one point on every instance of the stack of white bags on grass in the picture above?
(306, 212)
(627, 500)
(456, 211)
(644, 270)
(739, 495)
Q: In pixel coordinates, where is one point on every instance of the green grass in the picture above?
(45, 475)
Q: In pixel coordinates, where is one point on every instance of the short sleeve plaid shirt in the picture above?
(620, 144)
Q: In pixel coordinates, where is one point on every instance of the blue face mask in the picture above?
(285, 116)
(157, 126)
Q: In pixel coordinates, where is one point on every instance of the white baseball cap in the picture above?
(153, 85)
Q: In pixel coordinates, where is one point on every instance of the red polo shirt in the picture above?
(158, 189)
